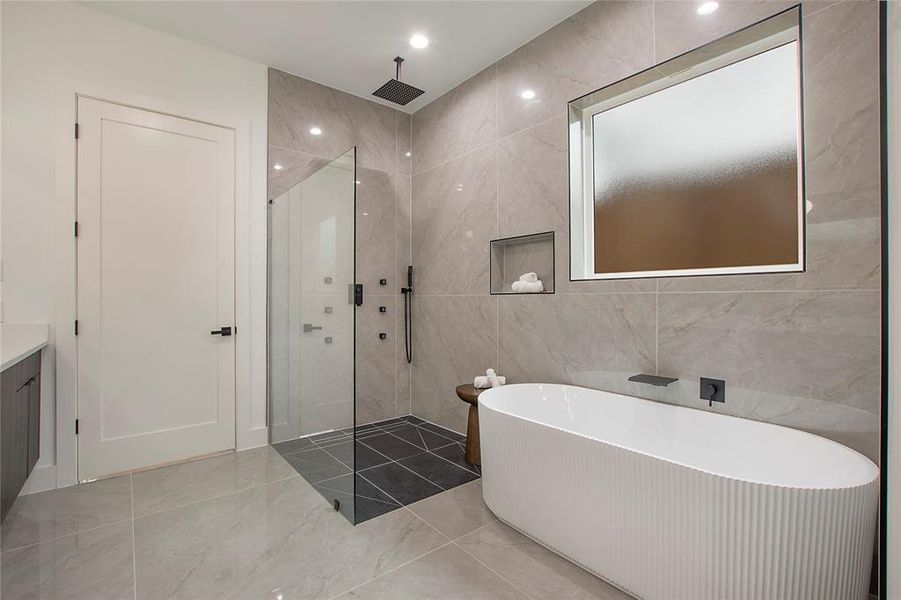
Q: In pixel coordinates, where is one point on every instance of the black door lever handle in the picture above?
(224, 331)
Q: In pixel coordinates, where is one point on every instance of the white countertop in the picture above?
(20, 341)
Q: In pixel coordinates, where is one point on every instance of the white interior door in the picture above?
(156, 276)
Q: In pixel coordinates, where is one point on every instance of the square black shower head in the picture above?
(398, 92)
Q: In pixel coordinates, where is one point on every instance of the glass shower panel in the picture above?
(311, 328)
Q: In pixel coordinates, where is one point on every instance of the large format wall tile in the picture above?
(297, 105)
(597, 46)
(294, 168)
(454, 218)
(841, 111)
(376, 230)
(679, 28)
(816, 345)
(533, 196)
(841, 137)
(455, 339)
(404, 144)
(595, 340)
(458, 122)
(375, 360)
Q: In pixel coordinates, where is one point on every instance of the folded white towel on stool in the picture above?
(481, 382)
(528, 277)
(528, 287)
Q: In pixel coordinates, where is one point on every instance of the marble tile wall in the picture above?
(382, 137)
(795, 349)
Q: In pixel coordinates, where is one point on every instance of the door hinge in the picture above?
(76, 131)
(76, 426)
(76, 228)
(76, 326)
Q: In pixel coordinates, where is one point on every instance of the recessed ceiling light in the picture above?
(527, 94)
(407, 154)
(316, 131)
(708, 7)
(277, 167)
(419, 41)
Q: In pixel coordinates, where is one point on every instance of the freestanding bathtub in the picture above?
(670, 502)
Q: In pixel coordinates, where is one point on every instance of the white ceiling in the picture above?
(350, 45)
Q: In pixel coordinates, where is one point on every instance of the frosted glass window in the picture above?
(694, 173)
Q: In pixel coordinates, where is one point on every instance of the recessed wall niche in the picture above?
(513, 257)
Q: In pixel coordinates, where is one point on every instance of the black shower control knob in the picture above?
(383, 309)
(383, 336)
(383, 282)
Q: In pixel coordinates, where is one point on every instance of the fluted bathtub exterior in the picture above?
(587, 474)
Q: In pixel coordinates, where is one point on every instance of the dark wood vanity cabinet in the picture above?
(20, 426)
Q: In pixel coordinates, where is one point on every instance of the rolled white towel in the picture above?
(528, 277)
(481, 382)
(528, 287)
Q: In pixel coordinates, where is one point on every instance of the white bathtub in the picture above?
(669, 502)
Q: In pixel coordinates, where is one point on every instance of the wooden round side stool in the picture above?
(468, 393)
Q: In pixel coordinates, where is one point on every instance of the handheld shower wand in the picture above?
(408, 314)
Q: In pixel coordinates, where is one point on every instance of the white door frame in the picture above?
(248, 434)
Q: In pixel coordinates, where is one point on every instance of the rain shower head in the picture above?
(396, 90)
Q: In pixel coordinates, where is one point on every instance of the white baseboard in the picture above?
(42, 478)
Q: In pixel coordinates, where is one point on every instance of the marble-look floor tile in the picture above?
(458, 122)
(454, 218)
(55, 513)
(597, 340)
(317, 464)
(95, 565)
(455, 512)
(176, 485)
(360, 503)
(456, 339)
(446, 573)
(439, 471)
(401, 484)
(599, 45)
(535, 569)
(275, 539)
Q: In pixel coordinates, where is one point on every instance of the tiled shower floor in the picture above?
(399, 461)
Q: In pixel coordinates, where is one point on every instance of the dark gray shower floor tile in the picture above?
(369, 502)
(418, 436)
(327, 437)
(456, 453)
(401, 484)
(316, 464)
(439, 471)
(295, 445)
(391, 446)
(365, 457)
(451, 435)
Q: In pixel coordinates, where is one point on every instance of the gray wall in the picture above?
(382, 138)
(796, 349)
